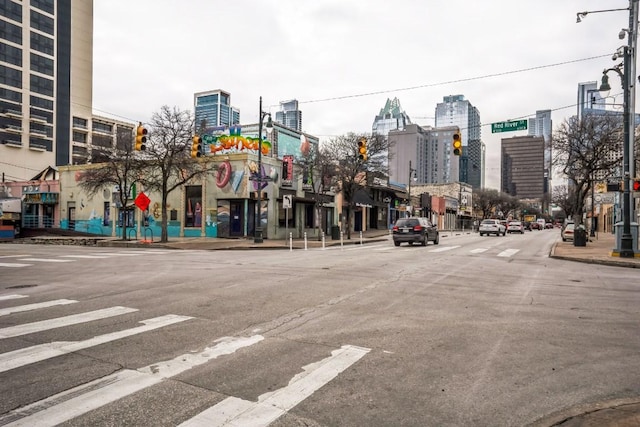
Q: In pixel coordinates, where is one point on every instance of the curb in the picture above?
(609, 413)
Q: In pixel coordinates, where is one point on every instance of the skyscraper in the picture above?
(214, 108)
(289, 115)
(391, 117)
(589, 98)
(454, 110)
(522, 171)
(542, 126)
(46, 79)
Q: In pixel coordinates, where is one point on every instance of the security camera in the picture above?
(621, 34)
(614, 57)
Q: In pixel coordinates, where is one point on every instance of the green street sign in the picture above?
(509, 126)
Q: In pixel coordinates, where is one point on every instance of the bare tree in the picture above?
(586, 150)
(564, 199)
(118, 167)
(487, 201)
(168, 159)
(348, 171)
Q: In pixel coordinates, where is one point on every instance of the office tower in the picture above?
(213, 108)
(589, 98)
(542, 126)
(476, 155)
(522, 171)
(391, 117)
(454, 110)
(46, 78)
(289, 115)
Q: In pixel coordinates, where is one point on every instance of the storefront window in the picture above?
(193, 208)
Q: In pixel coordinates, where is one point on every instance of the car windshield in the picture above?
(407, 222)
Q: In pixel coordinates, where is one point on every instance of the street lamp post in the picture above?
(593, 224)
(411, 176)
(258, 233)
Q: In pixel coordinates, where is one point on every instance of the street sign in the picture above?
(286, 201)
(509, 126)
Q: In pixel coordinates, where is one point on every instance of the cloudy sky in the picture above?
(341, 59)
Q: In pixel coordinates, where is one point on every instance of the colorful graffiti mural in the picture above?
(232, 142)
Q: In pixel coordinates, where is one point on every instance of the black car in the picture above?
(415, 230)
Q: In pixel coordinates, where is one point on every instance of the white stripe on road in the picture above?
(38, 353)
(508, 252)
(270, 406)
(79, 400)
(13, 256)
(45, 260)
(59, 322)
(12, 296)
(120, 253)
(358, 246)
(85, 256)
(16, 265)
(479, 250)
(36, 306)
(444, 248)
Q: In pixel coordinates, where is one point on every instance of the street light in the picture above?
(412, 176)
(258, 233)
(592, 100)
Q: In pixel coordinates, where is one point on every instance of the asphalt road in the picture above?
(483, 331)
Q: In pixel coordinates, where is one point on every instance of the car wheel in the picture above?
(435, 242)
(481, 234)
(424, 241)
(410, 243)
(396, 243)
(564, 240)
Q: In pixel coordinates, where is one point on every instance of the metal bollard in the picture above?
(323, 241)
(290, 241)
(305, 240)
(361, 238)
(341, 240)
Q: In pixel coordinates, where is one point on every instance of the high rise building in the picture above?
(542, 126)
(46, 79)
(475, 158)
(589, 98)
(213, 108)
(289, 115)
(454, 110)
(391, 117)
(522, 171)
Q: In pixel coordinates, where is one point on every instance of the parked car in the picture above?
(415, 230)
(535, 226)
(567, 232)
(515, 227)
(492, 226)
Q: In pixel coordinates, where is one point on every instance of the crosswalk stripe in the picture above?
(38, 353)
(85, 256)
(45, 325)
(79, 400)
(12, 296)
(508, 252)
(478, 250)
(270, 406)
(444, 248)
(120, 253)
(36, 306)
(13, 256)
(45, 260)
(13, 264)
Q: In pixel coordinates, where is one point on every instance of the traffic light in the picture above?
(141, 138)
(457, 143)
(196, 146)
(635, 185)
(362, 149)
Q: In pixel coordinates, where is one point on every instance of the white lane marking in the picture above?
(15, 265)
(36, 306)
(59, 322)
(38, 353)
(479, 250)
(444, 248)
(12, 296)
(358, 247)
(508, 252)
(120, 253)
(270, 406)
(45, 260)
(13, 256)
(85, 256)
(87, 397)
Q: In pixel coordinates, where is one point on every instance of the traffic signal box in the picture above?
(362, 149)
(196, 147)
(141, 138)
(635, 185)
(457, 143)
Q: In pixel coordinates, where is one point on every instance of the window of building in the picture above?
(309, 216)
(42, 22)
(37, 113)
(286, 219)
(44, 5)
(10, 77)
(193, 208)
(79, 123)
(11, 95)
(102, 127)
(41, 85)
(41, 43)
(10, 32)
(41, 64)
(42, 144)
(106, 216)
(11, 10)
(38, 102)
(11, 55)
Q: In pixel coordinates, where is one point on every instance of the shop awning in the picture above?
(363, 199)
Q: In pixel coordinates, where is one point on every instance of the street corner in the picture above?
(611, 413)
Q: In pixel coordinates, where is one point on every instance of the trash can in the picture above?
(580, 236)
(335, 232)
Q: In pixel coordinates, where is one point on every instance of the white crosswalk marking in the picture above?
(270, 406)
(444, 248)
(45, 260)
(38, 353)
(12, 296)
(36, 306)
(13, 265)
(508, 252)
(478, 250)
(82, 399)
(85, 256)
(74, 319)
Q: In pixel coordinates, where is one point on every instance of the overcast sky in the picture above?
(341, 59)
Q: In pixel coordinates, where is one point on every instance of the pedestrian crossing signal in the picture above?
(457, 143)
(635, 185)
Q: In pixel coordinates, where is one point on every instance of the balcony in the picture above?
(13, 129)
(38, 119)
(12, 143)
(39, 133)
(14, 114)
(37, 147)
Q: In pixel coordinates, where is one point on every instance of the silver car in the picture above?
(492, 226)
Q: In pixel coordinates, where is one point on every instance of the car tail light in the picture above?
(417, 228)
(395, 228)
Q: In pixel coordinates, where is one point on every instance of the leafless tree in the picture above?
(562, 197)
(586, 150)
